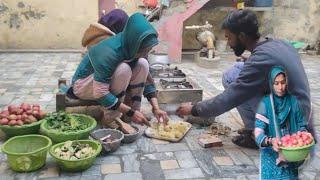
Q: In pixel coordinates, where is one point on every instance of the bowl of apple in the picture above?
(21, 120)
(296, 147)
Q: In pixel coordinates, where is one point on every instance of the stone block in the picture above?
(204, 160)
(107, 160)
(186, 159)
(169, 164)
(150, 169)
(157, 141)
(93, 170)
(239, 157)
(123, 176)
(223, 161)
(130, 163)
(159, 156)
(145, 145)
(183, 173)
(171, 147)
(110, 168)
(50, 172)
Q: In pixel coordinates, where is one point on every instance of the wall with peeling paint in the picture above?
(294, 20)
(297, 20)
(37, 24)
(215, 17)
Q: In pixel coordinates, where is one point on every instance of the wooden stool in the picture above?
(65, 103)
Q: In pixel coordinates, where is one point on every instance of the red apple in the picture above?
(4, 121)
(19, 117)
(4, 114)
(12, 123)
(19, 122)
(304, 137)
(36, 108)
(24, 117)
(35, 113)
(11, 108)
(12, 117)
(32, 119)
(42, 114)
(29, 112)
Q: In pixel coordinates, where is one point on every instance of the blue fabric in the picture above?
(103, 58)
(150, 88)
(84, 69)
(289, 119)
(247, 109)
(282, 104)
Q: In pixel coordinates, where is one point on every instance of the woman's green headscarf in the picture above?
(282, 104)
(137, 33)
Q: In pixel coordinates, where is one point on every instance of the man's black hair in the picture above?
(245, 21)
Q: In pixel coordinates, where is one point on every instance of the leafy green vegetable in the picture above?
(65, 122)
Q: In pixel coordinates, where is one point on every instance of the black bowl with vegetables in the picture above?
(62, 126)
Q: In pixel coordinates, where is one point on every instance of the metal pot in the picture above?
(158, 59)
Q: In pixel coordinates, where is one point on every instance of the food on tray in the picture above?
(172, 130)
(65, 122)
(74, 151)
(20, 115)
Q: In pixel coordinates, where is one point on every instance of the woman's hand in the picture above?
(276, 144)
(139, 118)
(161, 115)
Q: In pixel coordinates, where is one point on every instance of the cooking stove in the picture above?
(173, 91)
(168, 73)
(175, 84)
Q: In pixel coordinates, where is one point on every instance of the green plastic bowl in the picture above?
(11, 131)
(295, 154)
(27, 153)
(58, 137)
(77, 165)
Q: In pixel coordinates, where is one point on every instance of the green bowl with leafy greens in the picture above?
(62, 126)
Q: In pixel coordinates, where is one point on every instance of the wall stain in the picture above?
(15, 18)
(21, 5)
(15, 21)
(3, 8)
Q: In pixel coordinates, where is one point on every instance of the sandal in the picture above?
(245, 141)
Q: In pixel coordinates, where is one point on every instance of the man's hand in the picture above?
(161, 114)
(139, 118)
(184, 109)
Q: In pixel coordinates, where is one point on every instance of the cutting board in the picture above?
(153, 133)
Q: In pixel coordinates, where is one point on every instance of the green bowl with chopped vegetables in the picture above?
(64, 126)
(70, 157)
(26, 153)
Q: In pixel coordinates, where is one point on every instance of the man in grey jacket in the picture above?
(246, 90)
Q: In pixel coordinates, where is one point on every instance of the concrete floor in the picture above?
(32, 77)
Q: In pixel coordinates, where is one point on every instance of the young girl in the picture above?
(289, 120)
